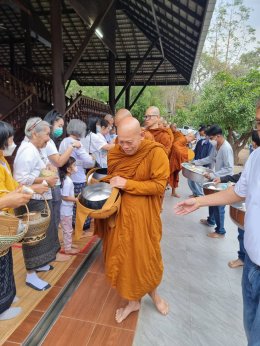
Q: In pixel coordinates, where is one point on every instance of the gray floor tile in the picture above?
(204, 294)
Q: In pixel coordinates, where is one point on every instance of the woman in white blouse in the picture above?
(28, 164)
(56, 122)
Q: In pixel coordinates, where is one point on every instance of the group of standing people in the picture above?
(140, 161)
(247, 189)
(37, 164)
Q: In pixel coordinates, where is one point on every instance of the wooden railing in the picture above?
(12, 87)
(82, 107)
(42, 85)
(19, 114)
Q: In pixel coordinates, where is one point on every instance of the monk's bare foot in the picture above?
(122, 314)
(161, 305)
(176, 195)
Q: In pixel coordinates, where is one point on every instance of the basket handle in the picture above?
(47, 206)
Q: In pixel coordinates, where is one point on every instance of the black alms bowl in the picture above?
(95, 196)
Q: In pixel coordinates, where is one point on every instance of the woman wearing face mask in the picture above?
(56, 122)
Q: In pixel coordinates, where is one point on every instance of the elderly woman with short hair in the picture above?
(76, 130)
(28, 164)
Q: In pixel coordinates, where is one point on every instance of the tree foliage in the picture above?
(230, 102)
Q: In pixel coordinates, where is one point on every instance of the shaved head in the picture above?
(153, 111)
(152, 117)
(129, 135)
(190, 137)
(173, 127)
(121, 114)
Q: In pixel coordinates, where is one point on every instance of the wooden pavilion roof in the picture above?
(178, 29)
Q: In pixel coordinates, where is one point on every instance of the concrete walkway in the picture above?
(203, 292)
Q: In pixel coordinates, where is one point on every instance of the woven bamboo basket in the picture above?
(37, 225)
(8, 230)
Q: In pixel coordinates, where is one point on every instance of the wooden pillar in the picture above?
(127, 77)
(112, 81)
(57, 57)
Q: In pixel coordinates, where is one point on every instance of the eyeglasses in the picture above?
(256, 124)
(149, 116)
(34, 125)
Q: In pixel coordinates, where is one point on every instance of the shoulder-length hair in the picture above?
(6, 131)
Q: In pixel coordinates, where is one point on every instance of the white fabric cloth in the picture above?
(94, 143)
(102, 155)
(67, 190)
(50, 150)
(28, 163)
(248, 186)
(82, 157)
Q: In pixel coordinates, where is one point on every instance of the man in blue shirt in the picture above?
(202, 149)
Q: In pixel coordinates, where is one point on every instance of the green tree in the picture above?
(230, 102)
(229, 37)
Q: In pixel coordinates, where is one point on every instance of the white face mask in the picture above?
(75, 169)
(9, 150)
(213, 142)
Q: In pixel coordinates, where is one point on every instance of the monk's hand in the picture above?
(118, 182)
(187, 206)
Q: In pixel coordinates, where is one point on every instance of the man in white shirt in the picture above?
(221, 156)
(248, 189)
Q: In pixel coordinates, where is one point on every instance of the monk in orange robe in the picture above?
(176, 134)
(179, 154)
(161, 135)
(123, 113)
(132, 255)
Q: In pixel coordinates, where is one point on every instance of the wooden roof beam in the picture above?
(146, 83)
(88, 37)
(128, 82)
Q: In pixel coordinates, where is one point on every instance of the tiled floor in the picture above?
(88, 318)
(34, 303)
(203, 292)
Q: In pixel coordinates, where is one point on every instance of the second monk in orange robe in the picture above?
(161, 135)
(179, 154)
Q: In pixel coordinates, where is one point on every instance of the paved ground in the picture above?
(204, 293)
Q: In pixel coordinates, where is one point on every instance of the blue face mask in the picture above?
(58, 132)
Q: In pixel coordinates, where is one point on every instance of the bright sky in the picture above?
(254, 18)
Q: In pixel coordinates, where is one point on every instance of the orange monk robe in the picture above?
(162, 135)
(132, 255)
(177, 135)
(147, 134)
(171, 134)
(179, 154)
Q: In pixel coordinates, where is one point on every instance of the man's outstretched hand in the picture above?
(186, 207)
